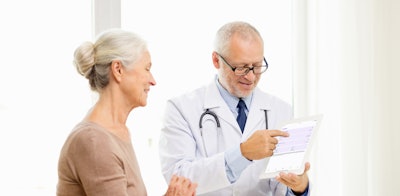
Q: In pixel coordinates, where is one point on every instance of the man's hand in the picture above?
(261, 144)
(298, 183)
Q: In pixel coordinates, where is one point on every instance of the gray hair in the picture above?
(224, 34)
(93, 60)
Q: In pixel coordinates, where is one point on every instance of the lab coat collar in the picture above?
(214, 101)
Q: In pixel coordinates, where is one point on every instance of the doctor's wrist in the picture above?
(242, 151)
(300, 193)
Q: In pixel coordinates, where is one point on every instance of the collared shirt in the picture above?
(235, 162)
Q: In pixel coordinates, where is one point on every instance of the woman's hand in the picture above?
(181, 186)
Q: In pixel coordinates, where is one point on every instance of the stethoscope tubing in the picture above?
(209, 112)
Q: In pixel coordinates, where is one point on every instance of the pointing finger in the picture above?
(274, 133)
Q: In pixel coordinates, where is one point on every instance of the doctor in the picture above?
(202, 138)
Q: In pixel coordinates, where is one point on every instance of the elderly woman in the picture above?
(97, 157)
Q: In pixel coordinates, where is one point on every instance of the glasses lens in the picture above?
(260, 69)
(241, 70)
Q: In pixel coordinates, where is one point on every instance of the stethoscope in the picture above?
(209, 112)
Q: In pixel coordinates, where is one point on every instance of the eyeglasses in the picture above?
(241, 71)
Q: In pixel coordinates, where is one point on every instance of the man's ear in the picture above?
(215, 59)
(117, 70)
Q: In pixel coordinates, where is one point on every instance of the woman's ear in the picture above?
(117, 70)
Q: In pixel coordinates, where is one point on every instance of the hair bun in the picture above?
(84, 58)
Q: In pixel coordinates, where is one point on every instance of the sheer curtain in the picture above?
(346, 66)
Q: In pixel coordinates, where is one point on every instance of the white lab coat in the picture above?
(181, 145)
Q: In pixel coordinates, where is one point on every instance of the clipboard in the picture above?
(293, 152)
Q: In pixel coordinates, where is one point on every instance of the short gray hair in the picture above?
(224, 34)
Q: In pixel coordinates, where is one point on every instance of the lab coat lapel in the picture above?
(256, 117)
(214, 101)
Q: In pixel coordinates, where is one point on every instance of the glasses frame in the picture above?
(248, 69)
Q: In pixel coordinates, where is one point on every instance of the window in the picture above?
(42, 95)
